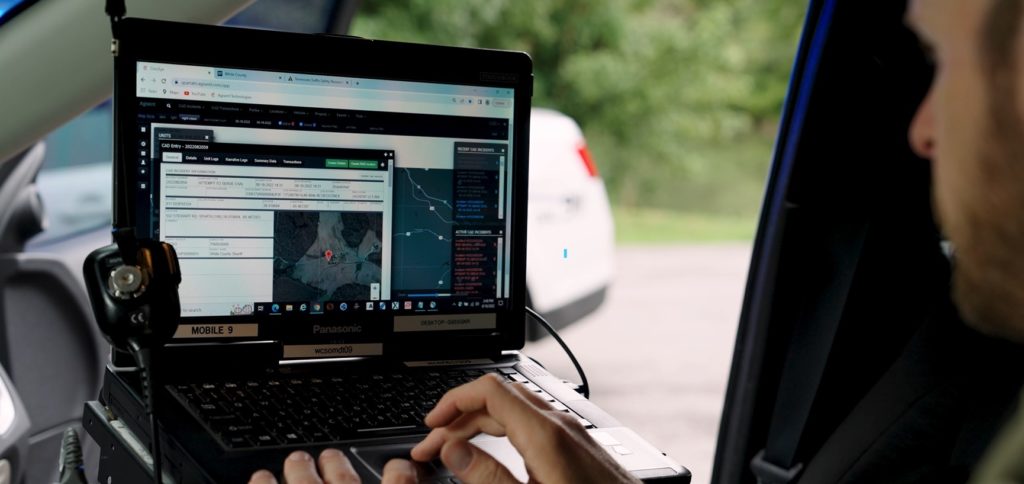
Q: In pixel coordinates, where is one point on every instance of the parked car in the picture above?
(570, 235)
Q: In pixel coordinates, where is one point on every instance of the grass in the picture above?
(635, 226)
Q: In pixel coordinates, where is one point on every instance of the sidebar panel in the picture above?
(480, 229)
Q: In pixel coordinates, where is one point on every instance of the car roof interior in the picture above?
(847, 243)
(74, 80)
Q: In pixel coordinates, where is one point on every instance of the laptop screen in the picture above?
(301, 197)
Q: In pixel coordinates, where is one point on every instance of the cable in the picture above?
(584, 387)
(71, 470)
(144, 360)
(116, 10)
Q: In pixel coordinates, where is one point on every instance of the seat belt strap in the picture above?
(820, 304)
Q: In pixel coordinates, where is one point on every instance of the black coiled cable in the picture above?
(71, 469)
(584, 387)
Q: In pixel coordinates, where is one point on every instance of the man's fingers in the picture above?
(299, 468)
(335, 468)
(532, 396)
(262, 477)
(488, 393)
(535, 433)
(399, 471)
(474, 466)
(466, 398)
(463, 428)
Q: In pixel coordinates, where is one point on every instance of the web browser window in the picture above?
(291, 194)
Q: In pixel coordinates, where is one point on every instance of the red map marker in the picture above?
(328, 254)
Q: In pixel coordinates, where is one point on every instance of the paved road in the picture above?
(658, 351)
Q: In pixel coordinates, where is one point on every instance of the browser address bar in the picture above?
(285, 88)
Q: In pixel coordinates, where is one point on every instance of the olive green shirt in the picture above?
(1003, 463)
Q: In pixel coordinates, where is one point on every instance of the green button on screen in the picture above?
(362, 164)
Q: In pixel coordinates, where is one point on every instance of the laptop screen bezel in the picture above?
(238, 48)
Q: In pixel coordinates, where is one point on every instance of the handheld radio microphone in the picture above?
(133, 287)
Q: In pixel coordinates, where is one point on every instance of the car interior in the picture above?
(44, 316)
(851, 363)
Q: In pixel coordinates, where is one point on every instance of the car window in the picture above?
(75, 182)
(83, 140)
(310, 16)
(678, 101)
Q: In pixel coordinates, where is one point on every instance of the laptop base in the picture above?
(119, 425)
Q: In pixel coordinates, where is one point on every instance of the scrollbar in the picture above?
(501, 187)
(498, 272)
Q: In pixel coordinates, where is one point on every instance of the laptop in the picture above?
(350, 221)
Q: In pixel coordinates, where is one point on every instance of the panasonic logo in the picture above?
(317, 329)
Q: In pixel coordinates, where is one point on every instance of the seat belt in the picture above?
(808, 354)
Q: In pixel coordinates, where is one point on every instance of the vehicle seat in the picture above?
(931, 416)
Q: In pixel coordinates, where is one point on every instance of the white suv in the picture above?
(571, 239)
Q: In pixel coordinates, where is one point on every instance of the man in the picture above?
(971, 125)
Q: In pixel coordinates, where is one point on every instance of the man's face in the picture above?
(970, 126)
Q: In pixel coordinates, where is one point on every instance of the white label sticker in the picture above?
(217, 331)
(445, 322)
(333, 351)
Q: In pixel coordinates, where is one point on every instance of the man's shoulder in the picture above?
(1004, 460)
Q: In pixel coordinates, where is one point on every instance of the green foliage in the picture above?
(679, 99)
(658, 226)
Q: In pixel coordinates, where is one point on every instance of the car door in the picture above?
(14, 432)
(849, 284)
(50, 350)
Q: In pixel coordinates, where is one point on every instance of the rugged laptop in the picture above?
(350, 221)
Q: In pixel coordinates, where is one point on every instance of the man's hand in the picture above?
(332, 468)
(555, 447)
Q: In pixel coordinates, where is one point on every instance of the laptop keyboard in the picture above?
(311, 409)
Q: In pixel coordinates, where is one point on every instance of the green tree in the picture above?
(679, 99)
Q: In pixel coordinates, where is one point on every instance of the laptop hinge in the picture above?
(219, 359)
(769, 473)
